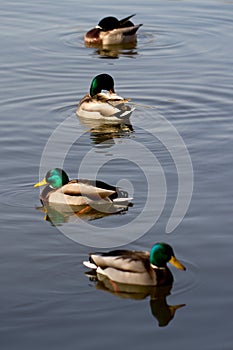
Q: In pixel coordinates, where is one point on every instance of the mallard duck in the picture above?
(111, 31)
(136, 267)
(103, 105)
(60, 190)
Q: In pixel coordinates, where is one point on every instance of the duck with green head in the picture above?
(60, 190)
(136, 267)
(102, 102)
(111, 31)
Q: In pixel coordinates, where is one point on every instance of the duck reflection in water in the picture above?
(58, 214)
(163, 312)
(103, 132)
(138, 275)
(115, 51)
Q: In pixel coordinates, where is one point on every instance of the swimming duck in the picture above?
(136, 267)
(100, 105)
(60, 190)
(111, 31)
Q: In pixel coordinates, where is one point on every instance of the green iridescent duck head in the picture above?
(102, 82)
(55, 178)
(161, 254)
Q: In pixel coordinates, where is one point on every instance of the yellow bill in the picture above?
(41, 183)
(176, 263)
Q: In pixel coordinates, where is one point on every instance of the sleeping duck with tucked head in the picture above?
(60, 190)
(111, 31)
(136, 267)
(103, 103)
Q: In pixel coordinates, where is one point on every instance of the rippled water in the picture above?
(179, 76)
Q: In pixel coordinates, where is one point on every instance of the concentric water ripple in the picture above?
(18, 195)
(176, 38)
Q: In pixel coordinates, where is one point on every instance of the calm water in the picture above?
(181, 66)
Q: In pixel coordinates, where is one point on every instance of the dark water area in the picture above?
(179, 143)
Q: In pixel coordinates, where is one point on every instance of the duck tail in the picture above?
(121, 200)
(122, 195)
(90, 265)
(124, 20)
(132, 31)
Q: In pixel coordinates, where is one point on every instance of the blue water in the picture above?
(179, 75)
